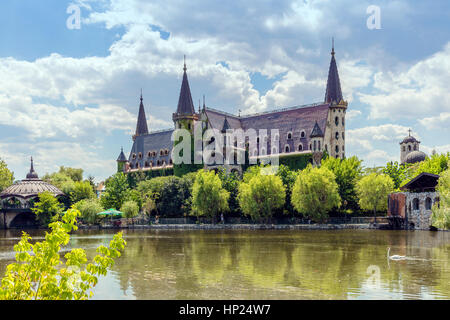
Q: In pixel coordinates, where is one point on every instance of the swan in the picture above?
(395, 257)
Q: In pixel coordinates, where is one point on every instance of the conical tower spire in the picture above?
(141, 127)
(185, 104)
(333, 92)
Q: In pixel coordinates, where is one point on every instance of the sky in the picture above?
(70, 96)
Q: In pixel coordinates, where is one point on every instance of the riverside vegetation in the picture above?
(337, 188)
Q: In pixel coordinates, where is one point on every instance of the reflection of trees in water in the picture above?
(279, 264)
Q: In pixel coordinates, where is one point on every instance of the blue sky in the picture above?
(70, 96)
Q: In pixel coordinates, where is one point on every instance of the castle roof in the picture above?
(185, 104)
(141, 127)
(316, 132)
(121, 157)
(333, 92)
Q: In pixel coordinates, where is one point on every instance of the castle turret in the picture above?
(335, 134)
(141, 126)
(121, 161)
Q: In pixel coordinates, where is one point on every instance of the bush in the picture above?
(115, 191)
(130, 209)
(441, 210)
(209, 198)
(260, 195)
(47, 209)
(315, 193)
(39, 276)
(89, 209)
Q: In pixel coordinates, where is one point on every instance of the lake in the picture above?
(266, 264)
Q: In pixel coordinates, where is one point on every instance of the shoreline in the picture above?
(361, 226)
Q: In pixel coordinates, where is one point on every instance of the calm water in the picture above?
(268, 264)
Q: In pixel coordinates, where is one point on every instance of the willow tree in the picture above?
(209, 198)
(441, 210)
(373, 191)
(261, 195)
(315, 193)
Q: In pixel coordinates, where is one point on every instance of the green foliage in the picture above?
(260, 195)
(174, 197)
(230, 182)
(436, 164)
(130, 209)
(347, 172)
(37, 273)
(441, 210)
(47, 209)
(296, 161)
(209, 198)
(59, 180)
(73, 173)
(315, 193)
(288, 177)
(115, 191)
(81, 190)
(6, 176)
(89, 209)
(373, 191)
(397, 172)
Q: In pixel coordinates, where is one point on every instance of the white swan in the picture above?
(395, 257)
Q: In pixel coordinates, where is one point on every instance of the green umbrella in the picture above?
(110, 213)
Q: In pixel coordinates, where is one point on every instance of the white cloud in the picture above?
(442, 121)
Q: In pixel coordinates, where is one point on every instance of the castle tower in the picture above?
(185, 116)
(141, 126)
(334, 140)
(121, 161)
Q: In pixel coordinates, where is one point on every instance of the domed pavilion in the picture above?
(17, 200)
(409, 150)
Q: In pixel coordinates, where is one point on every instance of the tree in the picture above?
(73, 173)
(373, 191)
(39, 275)
(89, 209)
(81, 190)
(209, 198)
(47, 209)
(288, 177)
(397, 172)
(436, 164)
(6, 176)
(260, 195)
(346, 172)
(441, 210)
(130, 209)
(230, 182)
(315, 193)
(115, 191)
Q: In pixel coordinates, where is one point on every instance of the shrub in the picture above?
(89, 209)
(373, 191)
(441, 210)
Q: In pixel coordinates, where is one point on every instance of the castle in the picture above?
(305, 132)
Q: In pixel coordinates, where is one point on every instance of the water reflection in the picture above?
(268, 264)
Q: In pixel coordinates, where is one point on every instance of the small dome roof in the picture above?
(409, 139)
(415, 156)
(30, 187)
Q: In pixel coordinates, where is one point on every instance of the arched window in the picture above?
(257, 140)
(300, 147)
(166, 152)
(140, 155)
(428, 203)
(302, 134)
(274, 150)
(310, 148)
(277, 137)
(158, 163)
(336, 121)
(319, 145)
(189, 126)
(315, 145)
(409, 148)
(170, 162)
(161, 152)
(343, 121)
(287, 149)
(133, 156)
(326, 148)
(404, 148)
(337, 135)
(343, 135)
(289, 135)
(337, 149)
(415, 204)
(415, 147)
